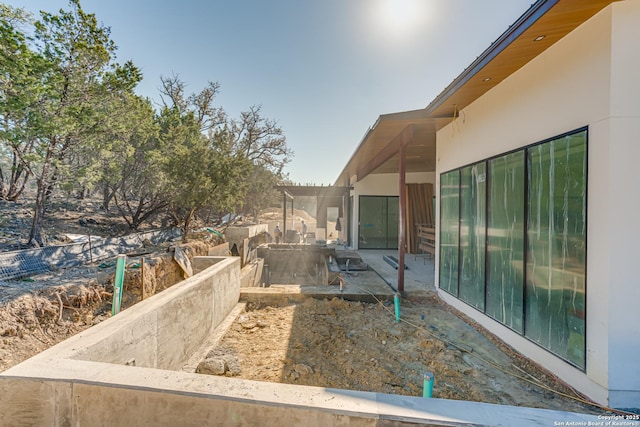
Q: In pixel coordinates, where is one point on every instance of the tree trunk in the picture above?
(35, 236)
(11, 187)
(43, 189)
(187, 221)
(185, 229)
(107, 196)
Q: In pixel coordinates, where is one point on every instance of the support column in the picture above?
(402, 226)
(284, 215)
(285, 195)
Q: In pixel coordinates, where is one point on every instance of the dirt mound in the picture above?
(35, 321)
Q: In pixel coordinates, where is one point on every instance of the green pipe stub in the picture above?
(396, 302)
(427, 390)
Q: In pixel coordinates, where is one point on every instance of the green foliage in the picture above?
(202, 171)
(21, 86)
(69, 119)
(67, 86)
(215, 164)
(261, 192)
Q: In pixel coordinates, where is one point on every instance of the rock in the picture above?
(303, 369)
(250, 324)
(213, 366)
(233, 366)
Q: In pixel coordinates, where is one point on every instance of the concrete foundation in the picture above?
(296, 264)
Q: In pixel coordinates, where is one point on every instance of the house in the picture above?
(531, 153)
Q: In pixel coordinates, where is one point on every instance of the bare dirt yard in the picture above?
(360, 346)
(327, 343)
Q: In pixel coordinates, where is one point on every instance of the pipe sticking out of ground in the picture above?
(396, 302)
(427, 390)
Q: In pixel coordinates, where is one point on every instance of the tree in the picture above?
(134, 177)
(261, 192)
(210, 159)
(78, 79)
(21, 73)
(198, 169)
(260, 140)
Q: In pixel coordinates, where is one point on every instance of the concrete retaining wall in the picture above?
(251, 274)
(166, 332)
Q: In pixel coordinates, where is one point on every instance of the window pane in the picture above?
(556, 240)
(393, 216)
(378, 222)
(449, 226)
(372, 222)
(472, 234)
(505, 240)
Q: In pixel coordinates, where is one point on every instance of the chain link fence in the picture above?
(20, 264)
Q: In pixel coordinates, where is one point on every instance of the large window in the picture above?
(513, 241)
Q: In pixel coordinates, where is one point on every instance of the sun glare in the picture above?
(400, 17)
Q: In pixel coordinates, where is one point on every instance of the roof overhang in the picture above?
(292, 191)
(542, 25)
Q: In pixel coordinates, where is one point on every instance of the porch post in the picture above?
(402, 226)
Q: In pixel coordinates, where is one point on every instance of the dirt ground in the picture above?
(32, 321)
(360, 346)
(335, 343)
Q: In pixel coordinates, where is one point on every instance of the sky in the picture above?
(324, 70)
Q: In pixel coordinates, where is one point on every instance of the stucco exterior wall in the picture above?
(589, 78)
(624, 205)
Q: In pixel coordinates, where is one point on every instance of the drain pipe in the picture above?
(427, 390)
(396, 302)
(117, 284)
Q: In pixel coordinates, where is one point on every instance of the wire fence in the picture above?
(20, 264)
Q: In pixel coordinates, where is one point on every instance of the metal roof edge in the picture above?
(527, 19)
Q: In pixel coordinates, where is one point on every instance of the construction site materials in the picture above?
(393, 261)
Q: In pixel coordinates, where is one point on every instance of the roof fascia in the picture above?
(523, 23)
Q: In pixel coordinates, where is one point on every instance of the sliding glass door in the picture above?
(378, 222)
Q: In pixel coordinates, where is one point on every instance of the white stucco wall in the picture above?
(589, 78)
(624, 197)
(381, 185)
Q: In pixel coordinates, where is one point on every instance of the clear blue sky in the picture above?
(323, 69)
